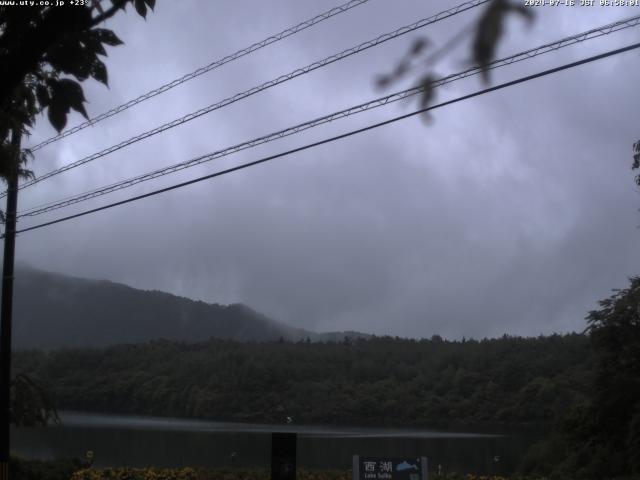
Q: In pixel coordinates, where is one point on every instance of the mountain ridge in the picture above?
(54, 310)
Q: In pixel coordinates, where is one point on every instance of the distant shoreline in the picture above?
(72, 418)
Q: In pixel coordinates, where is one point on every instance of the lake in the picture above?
(136, 441)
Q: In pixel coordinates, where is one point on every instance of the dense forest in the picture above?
(584, 389)
(382, 381)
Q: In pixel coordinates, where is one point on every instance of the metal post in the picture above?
(283, 456)
(6, 308)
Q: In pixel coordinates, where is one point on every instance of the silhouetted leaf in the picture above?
(42, 94)
(57, 115)
(527, 13)
(70, 92)
(383, 81)
(151, 4)
(93, 43)
(141, 7)
(65, 94)
(99, 72)
(401, 69)
(489, 30)
(426, 83)
(73, 58)
(418, 46)
(24, 156)
(107, 37)
(404, 66)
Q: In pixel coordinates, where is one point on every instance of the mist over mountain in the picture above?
(52, 310)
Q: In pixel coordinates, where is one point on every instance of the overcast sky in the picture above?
(510, 213)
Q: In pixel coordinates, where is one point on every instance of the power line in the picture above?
(207, 68)
(252, 91)
(338, 137)
(394, 97)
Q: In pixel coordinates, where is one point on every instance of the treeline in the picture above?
(383, 381)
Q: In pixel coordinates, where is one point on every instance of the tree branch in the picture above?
(117, 5)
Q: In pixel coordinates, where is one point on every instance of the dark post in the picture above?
(283, 456)
(6, 308)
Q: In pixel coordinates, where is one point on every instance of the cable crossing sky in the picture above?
(339, 137)
(207, 68)
(378, 102)
(272, 83)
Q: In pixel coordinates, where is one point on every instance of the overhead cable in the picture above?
(335, 138)
(378, 102)
(252, 91)
(202, 70)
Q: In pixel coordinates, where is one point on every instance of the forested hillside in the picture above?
(382, 381)
(77, 312)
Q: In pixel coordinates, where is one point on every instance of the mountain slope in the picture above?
(53, 310)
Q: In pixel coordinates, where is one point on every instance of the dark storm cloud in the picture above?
(513, 212)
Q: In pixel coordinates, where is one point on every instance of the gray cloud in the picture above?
(514, 212)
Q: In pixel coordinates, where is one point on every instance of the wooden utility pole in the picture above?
(6, 307)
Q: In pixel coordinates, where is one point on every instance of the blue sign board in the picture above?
(384, 468)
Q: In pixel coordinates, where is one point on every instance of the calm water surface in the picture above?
(120, 440)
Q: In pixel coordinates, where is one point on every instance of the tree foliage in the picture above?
(487, 33)
(382, 381)
(45, 52)
(30, 404)
(600, 438)
(615, 335)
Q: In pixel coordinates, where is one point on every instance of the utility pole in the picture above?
(6, 307)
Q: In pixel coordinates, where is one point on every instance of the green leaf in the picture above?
(141, 8)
